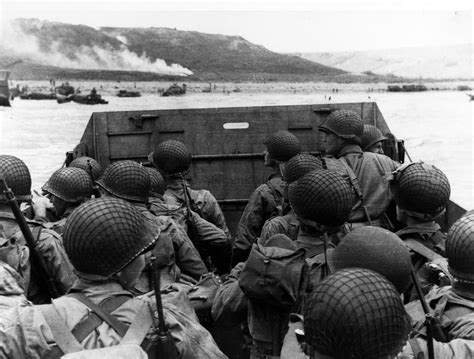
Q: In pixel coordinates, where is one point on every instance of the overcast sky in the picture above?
(281, 26)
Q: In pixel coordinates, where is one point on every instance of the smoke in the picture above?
(15, 42)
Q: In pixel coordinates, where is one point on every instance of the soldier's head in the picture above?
(297, 166)
(340, 128)
(88, 164)
(157, 182)
(105, 238)
(321, 199)
(372, 140)
(421, 191)
(377, 249)
(127, 180)
(68, 186)
(355, 313)
(280, 147)
(172, 158)
(460, 254)
(14, 260)
(17, 177)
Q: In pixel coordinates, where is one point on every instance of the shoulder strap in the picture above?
(422, 250)
(353, 178)
(61, 333)
(117, 325)
(139, 327)
(92, 321)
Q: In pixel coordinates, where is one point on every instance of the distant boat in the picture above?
(407, 88)
(175, 90)
(125, 93)
(38, 96)
(4, 90)
(83, 99)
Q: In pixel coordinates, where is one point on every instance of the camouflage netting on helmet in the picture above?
(377, 249)
(172, 157)
(299, 165)
(69, 184)
(345, 124)
(157, 182)
(421, 188)
(103, 235)
(460, 247)
(283, 145)
(371, 136)
(17, 175)
(127, 180)
(356, 313)
(83, 163)
(322, 196)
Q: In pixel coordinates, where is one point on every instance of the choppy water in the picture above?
(436, 125)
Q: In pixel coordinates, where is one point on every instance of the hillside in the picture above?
(443, 62)
(77, 51)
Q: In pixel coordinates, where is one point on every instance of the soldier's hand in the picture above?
(40, 205)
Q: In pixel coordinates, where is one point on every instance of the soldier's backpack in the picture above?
(274, 275)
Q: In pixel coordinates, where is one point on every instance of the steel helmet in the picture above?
(172, 157)
(343, 123)
(157, 182)
(282, 145)
(370, 137)
(460, 248)
(103, 235)
(421, 189)
(356, 314)
(299, 165)
(17, 176)
(322, 196)
(127, 180)
(377, 249)
(83, 163)
(69, 184)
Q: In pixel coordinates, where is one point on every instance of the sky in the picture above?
(280, 26)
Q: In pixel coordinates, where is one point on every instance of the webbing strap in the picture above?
(421, 249)
(118, 326)
(61, 333)
(139, 327)
(92, 321)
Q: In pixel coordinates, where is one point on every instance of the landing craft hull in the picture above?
(4, 90)
(227, 143)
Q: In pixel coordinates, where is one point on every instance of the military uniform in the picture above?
(12, 292)
(264, 203)
(49, 245)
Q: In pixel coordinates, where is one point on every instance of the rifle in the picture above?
(191, 226)
(433, 328)
(95, 188)
(165, 347)
(36, 258)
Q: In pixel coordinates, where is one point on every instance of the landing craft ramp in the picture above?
(226, 143)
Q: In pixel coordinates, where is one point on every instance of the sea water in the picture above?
(436, 125)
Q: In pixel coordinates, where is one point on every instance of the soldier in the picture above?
(421, 192)
(453, 305)
(88, 164)
(322, 201)
(130, 181)
(354, 313)
(173, 159)
(106, 240)
(67, 188)
(266, 201)
(372, 140)
(48, 243)
(14, 273)
(366, 171)
(208, 233)
(287, 223)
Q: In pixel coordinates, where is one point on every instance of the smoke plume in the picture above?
(15, 42)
